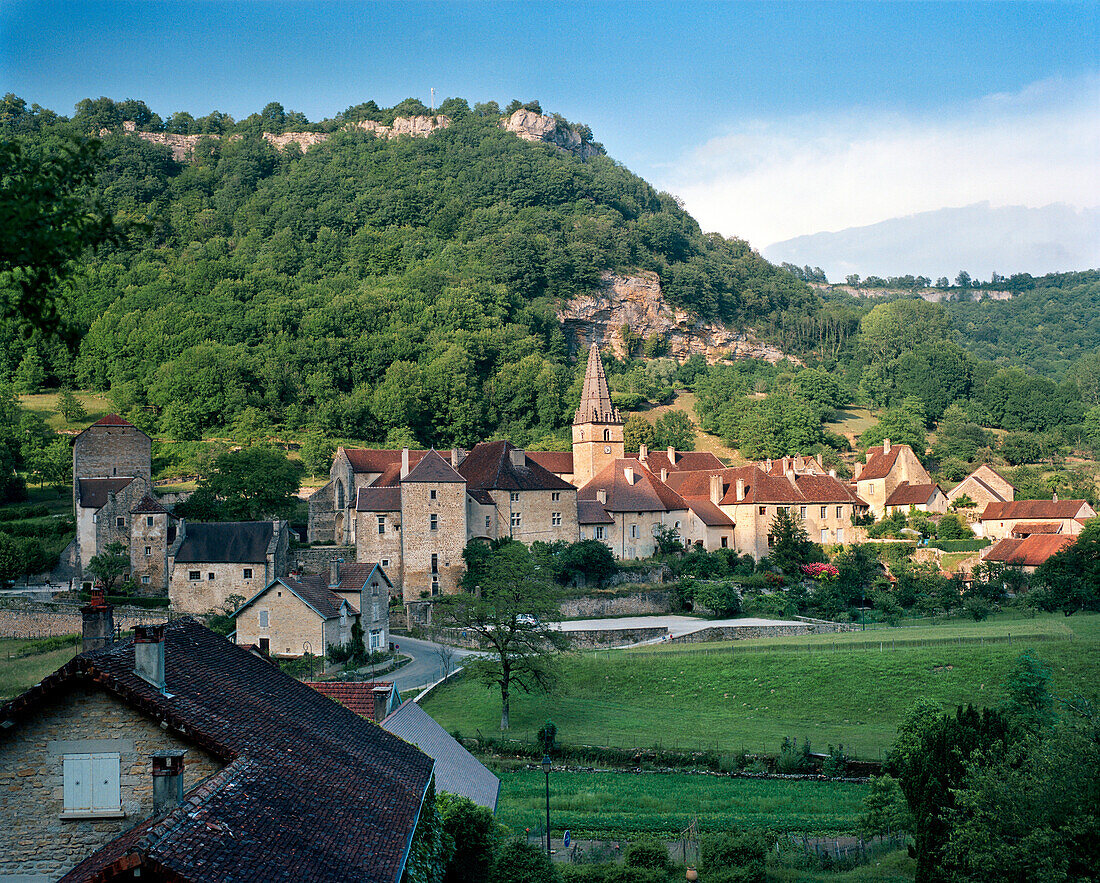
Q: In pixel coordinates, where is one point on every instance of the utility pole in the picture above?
(433, 101)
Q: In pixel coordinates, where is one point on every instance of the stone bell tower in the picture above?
(597, 427)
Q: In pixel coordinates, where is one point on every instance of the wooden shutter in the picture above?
(106, 793)
(91, 783)
(78, 782)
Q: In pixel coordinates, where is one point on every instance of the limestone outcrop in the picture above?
(539, 128)
(416, 126)
(637, 301)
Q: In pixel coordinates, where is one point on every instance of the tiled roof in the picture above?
(906, 494)
(592, 512)
(353, 577)
(1029, 527)
(826, 489)
(149, 506)
(112, 420)
(456, 770)
(489, 465)
(235, 542)
(311, 790)
(374, 460)
(647, 494)
(356, 695)
(880, 464)
(558, 462)
(708, 513)
(1030, 551)
(595, 405)
(378, 499)
(433, 469)
(764, 488)
(93, 492)
(1034, 509)
(480, 496)
(312, 589)
(686, 461)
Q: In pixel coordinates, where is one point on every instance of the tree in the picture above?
(884, 809)
(637, 431)
(589, 559)
(1070, 580)
(46, 221)
(789, 545)
(317, 453)
(1029, 699)
(474, 832)
(246, 485)
(674, 429)
(110, 564)
(509, 605)
(903, 425)
(30, 375)
(523, 863)
(70, 407)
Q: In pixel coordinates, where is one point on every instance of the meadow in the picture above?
(849, 689)
(18, 672)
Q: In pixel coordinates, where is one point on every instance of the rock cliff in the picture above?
(934, 295)
(637, 301)
(539, 128)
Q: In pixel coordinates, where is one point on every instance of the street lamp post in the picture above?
(546, 764)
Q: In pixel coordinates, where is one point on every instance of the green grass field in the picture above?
(96, 404)
(616, 805)
(17, 673)
(751, 698)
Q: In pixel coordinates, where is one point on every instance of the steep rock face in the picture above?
(934, 295)
(183, 146)
(637, 301)
(539, 128)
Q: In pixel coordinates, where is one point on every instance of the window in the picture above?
(148, 520)
(265, 645)
(781, 509)
(145, 580)
(194, 574)
(763, 510)
(555, 519)
(376, 639)
(840, 534)
(343, 614)
(435, 563)
(634, 531)
(435, 584)
(555, 496)
(91, 785)
(488, 522)
(385, 562)
(264, 619)
(514, 497)
(802, 512)
(210, 575)
(148, 550)
(771, 541)
(433, 522)
(607, 435)
(248, 573)
(515, 520)
(839, 511)
(431, 494)
(120, 521)
(824, 536)
(381, 524)
(599, 531)
(725, 542)
(824, 511)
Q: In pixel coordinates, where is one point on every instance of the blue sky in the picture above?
(720, 103)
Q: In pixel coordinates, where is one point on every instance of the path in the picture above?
(427, 666)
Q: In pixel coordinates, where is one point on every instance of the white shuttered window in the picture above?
(92, 783)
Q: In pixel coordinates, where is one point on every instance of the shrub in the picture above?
(647, 852)
(523, 863)
(475, 835)
(722, 599)
(793, 758)
(836, 764)
(732, 857)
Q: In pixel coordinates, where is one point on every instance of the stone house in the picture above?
(886, 467)
(984, 485)
(908, 497)
(208, 563)
(1024, 517)
(179, 756)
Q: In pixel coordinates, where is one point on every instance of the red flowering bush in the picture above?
(821, 571)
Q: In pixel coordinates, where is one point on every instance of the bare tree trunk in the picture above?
(504, 699)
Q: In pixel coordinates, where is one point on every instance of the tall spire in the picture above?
(595, 404)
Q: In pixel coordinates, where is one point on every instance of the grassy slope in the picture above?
(18, 674)
(704, 441)
(96, 404)
(613, 805)
(752, 700)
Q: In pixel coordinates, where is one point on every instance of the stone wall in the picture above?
(290, 625)
(149, 531)
(740, 633)
(419, 542)
(598, 638)
(216, 582)
(322, 514)
(318, 559)
(34, 840)
(31, 620)
(536, 511)
(634, 604)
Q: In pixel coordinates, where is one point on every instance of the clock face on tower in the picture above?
(607, 449)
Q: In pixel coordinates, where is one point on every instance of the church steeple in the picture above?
(597, 426)
(596, 406)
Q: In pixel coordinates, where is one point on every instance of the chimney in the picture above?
(601, 496)
(457, 456)
(832, 473)
(519, 458)
(786, 462)
(98, 622)
(1054, 497)
(167, 780)
(791, 477)
(149, 654)
(768, 465)
(643, 452)
(404, 462)
(672, 455)
(628, 471)
(740, 490)
(716, 489)
(869, 455)
(334, 571)
(820, 461)
(799, 463)
(857, 470)
(381, 696)
(664, 474)
(886, 446)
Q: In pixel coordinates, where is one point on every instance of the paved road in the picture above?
(427, 665)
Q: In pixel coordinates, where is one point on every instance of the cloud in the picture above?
(770, 180)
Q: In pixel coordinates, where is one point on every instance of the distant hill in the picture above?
(978, 238)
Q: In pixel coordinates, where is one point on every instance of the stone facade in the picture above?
(111, 450)
(530, 516)
(886, 467)
(431, 559)
(291, 624)
(379, 538)
(36, 843)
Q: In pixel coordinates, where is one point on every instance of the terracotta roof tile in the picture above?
(558, 462)
(294, 757)
(592, 512)
(1024, 528)
(1035, 509)
(647, 494)
(708, 513)
(686, 461)
(93, 492)
(489, 465)
(356, 695)
(906, 494)
(880, 464)
(377, 460)
(433, 469)
(1030, 551)
(112, 420)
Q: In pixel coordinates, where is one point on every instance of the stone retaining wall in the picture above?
(634, 604)
(595, 639)
(32, 621)
(738, 633)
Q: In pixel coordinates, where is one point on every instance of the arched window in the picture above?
(339, 495)
(582, 435)
(607, 435)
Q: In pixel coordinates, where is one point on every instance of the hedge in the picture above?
(958, 545)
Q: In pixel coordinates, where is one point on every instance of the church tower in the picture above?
(597, 427)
